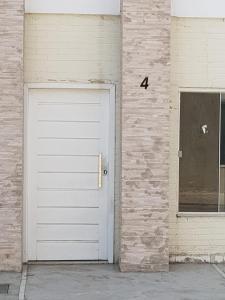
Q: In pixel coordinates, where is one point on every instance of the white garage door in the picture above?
(68, 151)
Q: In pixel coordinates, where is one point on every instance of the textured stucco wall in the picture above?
(11, 129)
(145, 135)
(197, 63)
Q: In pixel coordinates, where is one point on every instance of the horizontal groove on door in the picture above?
(67, 241)
(65, 189)
(67, 138)
(65, 155)
(61, 206)
(85, 224)
(66, 103)
(65, 172)
(67, 121)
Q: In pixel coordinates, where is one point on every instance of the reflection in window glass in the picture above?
(199, 166)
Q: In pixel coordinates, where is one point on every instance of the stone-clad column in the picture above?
(145, 143)
(11, 133)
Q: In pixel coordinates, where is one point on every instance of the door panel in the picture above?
(78, 164)
(63, 147)
(68, 130)
(72, 250)
(77, 113)
(47, 232)
(68, 215)
(199, 143)
(74, 198)
(67, 211)
(67, 180)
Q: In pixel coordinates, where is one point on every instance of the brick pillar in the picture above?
(145, 142)
(11, 133)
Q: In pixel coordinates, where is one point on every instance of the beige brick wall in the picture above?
(197, 61)
(11, 124)
(76, 48)
(72, 48)
(145, 141)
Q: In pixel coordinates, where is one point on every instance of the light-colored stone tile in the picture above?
(145, 135)
(11, 134)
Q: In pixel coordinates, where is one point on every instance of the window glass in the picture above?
(222, 156)
(199, 167)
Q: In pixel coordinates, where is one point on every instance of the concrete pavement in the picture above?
(105, 282)
(101, 282)
(13, 279)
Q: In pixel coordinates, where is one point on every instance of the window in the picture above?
(202, 152)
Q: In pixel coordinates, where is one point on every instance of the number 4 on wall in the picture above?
(145, 83)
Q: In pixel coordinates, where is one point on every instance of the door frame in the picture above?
(111, 190)
(193, 90)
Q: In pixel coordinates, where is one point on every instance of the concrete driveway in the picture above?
(105, 282)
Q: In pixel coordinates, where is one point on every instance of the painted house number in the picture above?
(144, 83)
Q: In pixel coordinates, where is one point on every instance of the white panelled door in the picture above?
(67, 193)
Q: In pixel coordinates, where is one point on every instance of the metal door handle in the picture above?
(100, 170)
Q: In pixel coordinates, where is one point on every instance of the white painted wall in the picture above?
(197, 62)
(103, 7)
(198, 8)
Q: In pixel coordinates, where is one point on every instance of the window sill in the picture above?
(199, 214)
